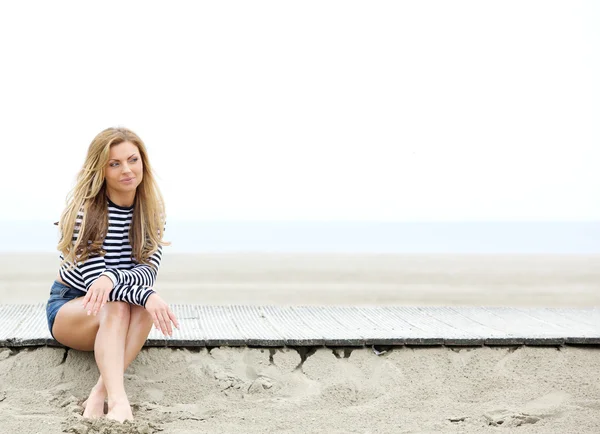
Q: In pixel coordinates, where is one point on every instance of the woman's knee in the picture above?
(118, 310)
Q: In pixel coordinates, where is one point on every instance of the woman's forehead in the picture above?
(122, 151)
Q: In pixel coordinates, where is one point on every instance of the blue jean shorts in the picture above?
(59, 295)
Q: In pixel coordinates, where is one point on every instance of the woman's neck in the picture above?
(122, 200)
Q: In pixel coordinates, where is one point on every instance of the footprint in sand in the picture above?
(504, 417)
(551, 404)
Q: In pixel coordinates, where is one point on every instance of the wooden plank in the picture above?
(269, 326)
(254, 326)
(292, 327)
(220, 327)
(192, 333)
(573, 331)
(432, 328)
(489, 321)
(371, 331)
(334, 332)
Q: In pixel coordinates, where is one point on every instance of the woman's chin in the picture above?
(126, 188)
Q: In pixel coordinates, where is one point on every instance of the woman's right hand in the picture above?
(161, 314)
(97, 295)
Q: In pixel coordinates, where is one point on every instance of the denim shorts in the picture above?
(59, 295)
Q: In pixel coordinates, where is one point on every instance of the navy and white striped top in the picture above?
(132, 282)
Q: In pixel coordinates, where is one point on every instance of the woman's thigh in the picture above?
(74, 328)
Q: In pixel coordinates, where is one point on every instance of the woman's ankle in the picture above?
(117, 401)
(99, 388)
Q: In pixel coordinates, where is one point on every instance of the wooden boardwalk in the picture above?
(276, 326)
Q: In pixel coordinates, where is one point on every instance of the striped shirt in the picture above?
(132, 282)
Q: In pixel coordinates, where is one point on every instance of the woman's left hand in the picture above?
(97, 295)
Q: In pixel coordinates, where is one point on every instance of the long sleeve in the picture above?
(94, 267)
(133, 294)
(132, 283)
(140, 274)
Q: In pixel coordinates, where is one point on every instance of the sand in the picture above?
(406, 390)
(345, 390)
(326, 279)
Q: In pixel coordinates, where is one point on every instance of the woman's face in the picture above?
(124, 171)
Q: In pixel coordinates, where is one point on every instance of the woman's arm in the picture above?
(141, 274)
(103, 284)
(133, 294)
(95, 267)
(102, 290)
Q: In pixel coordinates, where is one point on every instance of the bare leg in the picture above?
(109, 351)
(140, 324)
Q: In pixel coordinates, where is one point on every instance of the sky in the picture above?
(311, 110)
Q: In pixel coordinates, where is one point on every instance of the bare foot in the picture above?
(94, 405)
(119, 411)
(84, 404)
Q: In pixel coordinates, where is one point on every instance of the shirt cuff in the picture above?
(146, 296)
(112, 276)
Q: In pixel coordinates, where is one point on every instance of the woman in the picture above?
(111, 249)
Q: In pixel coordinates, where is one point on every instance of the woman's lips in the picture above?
(127, 180)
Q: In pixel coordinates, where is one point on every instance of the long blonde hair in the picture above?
(89, 198)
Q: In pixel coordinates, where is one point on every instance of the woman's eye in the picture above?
(133, 160)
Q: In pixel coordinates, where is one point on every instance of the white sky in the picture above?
(311, 110)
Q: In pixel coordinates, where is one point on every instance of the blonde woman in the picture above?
(111, 248)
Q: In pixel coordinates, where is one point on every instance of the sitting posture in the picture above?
(111, 248)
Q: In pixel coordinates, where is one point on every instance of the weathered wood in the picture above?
(274, 326)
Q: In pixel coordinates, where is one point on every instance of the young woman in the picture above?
(111, 248)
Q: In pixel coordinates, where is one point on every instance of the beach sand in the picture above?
(233, 390)
(345, 390)
(336, 279)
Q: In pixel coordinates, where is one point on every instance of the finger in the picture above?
(168, 321)
(163, 323)
(155, 320)
(86, 299)
(91, 302)
(173, 318)
(104, 299)
(99, 302)
(94, 305)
